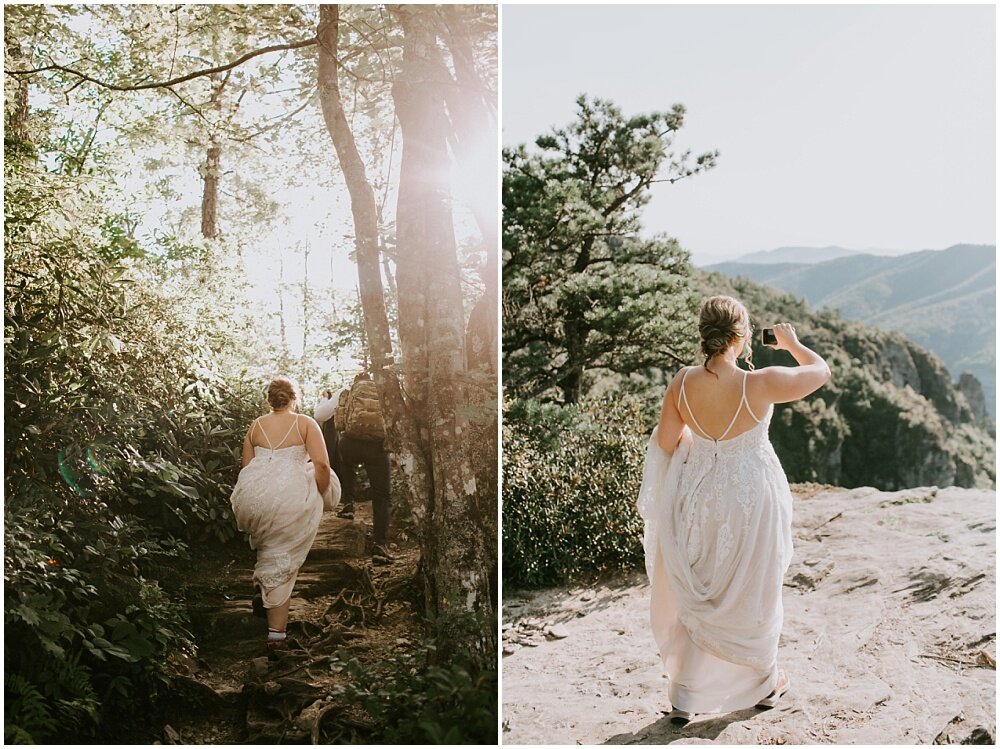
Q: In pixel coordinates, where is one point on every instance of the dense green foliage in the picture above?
(581, 289)
(571, 475)
(439, 693)
(944, 301)
(121, 448)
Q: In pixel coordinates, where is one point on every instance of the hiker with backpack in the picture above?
(358, 418)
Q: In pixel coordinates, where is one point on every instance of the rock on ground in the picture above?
(889, 637)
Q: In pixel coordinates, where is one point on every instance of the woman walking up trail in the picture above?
(279, 499)
(718, 514)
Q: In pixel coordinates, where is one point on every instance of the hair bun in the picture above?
(723, 319)
(282, 391)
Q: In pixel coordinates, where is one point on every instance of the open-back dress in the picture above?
(277, 502)
(718, 542)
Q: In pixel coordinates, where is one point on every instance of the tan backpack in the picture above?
(340, 415)
(363, 412)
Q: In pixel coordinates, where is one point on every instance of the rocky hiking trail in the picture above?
(231, 692)
(889, 636)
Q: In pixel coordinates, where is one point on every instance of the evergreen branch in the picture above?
(173, 81)
(671, 180)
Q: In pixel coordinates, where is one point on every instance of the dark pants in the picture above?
(332, 438)
(372, 456)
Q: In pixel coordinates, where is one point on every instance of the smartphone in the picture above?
(767, 337)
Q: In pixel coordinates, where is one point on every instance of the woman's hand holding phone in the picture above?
(784, 336)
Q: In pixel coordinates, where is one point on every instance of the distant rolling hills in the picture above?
(799, 255)
(943, 300)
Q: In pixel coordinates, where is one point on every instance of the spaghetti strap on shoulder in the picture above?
(745, 402)
(297, 430)
(260, 428)
(681, 393)
(684, 398)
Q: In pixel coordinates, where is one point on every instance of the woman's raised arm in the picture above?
(786, 384)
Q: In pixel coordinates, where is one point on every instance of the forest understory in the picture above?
(192, 207)
(231, 690)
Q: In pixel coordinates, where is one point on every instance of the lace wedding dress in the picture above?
(718, 542)
(277, 502)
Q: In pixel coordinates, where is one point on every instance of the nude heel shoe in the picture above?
(772, 699)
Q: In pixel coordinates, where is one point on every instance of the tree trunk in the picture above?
(570, 380)
(210, 193)
(305, 299)
(211, 169)
(401, 429)
(459, 550)
(424, 429)
(570, 385)
(15, 95)
(281, 307)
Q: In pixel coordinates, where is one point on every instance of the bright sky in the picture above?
(859, 126)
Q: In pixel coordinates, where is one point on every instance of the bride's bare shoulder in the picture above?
(681, 374)
(307, 420)
(677, 379)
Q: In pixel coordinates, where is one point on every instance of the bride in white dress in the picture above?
(279, 499)
(718, 514)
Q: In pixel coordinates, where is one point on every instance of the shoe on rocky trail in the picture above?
(382, 555)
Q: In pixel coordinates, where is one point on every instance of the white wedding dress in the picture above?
(277, 502)
(718, 542)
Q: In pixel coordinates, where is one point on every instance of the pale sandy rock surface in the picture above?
(889, 637)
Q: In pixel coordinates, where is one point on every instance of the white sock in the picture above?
(275, 635)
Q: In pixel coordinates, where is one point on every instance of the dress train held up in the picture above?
(277, 502)
(718, 542)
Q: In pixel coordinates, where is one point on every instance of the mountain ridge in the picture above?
(792, 253)
(891, 417)
(811, 255)
(943, 300)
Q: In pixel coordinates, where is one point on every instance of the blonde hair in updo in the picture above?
(282, 391)
(723, 320)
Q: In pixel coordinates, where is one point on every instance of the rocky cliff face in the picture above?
(972, 389)
(891, 417)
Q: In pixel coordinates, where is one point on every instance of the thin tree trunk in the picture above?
(211, 170)
(80, 159)
(281, 307)
(15, 102)
(210, 193)
(305, 299)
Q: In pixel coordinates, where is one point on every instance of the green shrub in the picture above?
(571, 475)
(121, 446)
(445, 692)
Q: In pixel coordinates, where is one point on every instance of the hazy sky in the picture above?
(860, 126)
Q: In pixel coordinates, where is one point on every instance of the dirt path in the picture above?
(889, 637)
(233, 693)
